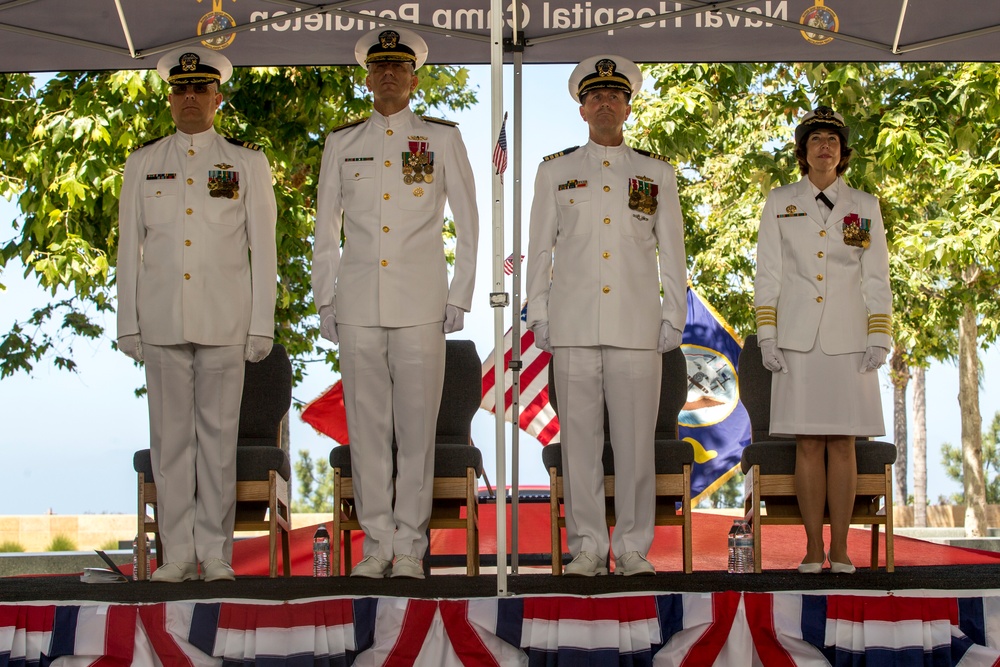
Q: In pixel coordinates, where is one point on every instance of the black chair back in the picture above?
(462, 393)
(267, 396)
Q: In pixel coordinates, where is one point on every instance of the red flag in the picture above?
(326, 414)
(537, 417)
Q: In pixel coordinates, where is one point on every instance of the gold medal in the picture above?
(418, 192)
(408, 179)
(418, 177)
(428, 178)
(429, 169)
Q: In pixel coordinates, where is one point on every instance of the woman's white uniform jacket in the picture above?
(595, 265)
(810, 282)
(393, 271)
(192, 267)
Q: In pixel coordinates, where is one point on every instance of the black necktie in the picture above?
(826, 200)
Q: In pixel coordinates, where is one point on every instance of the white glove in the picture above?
(328, 324)
(454, 319)
(131, 346)
(541, 331)
(874, 358)
(774, 360)
(258, 347)
(670, 338)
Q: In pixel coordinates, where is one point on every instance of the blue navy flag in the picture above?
(713, 419)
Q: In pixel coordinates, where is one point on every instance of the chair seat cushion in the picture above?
(671, 455)
(450, 460)
(778, 457)
(253, 463)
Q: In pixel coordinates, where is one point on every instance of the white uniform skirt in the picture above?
(825, 394)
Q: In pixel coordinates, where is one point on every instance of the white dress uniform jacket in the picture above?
(393, 271)
(193, 268)
(810, 283)
(592, 261)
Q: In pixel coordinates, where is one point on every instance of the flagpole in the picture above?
(498, 298)
(515, 359)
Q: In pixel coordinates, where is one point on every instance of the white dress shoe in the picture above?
(586, 564)
(812, 568)
(372, 567)
(407, 567)
(175, 573)
(841, 568)
(216, 569)
(633, 563)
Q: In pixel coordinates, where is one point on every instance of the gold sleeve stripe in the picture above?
(767, 316)
(876, 330)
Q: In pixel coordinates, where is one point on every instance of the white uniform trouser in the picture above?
(629, 380)
(194, 396)
(392, 383)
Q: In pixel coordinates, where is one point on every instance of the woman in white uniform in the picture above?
(824, 309)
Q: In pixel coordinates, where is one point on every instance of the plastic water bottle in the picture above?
(744, 549)
(135, 559)
(733, 531)
(321, 552)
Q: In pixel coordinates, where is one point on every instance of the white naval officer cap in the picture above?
(194, 64)
(822, 117)
(391, 45)
(605, 71)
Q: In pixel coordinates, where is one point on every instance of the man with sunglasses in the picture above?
(386, 299)
(196, 282)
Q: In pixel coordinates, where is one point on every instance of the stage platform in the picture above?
(940, 606)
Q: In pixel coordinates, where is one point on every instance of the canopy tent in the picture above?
(59, 35)
(52, 35)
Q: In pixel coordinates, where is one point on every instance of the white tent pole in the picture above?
(899, 27)
(515, 359)
(128, 35)
(498, 298)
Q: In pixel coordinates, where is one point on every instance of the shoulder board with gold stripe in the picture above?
(348, 124)
(565, 151)
(440, 121)
(245, 144)
(655, 156)
(148, 143)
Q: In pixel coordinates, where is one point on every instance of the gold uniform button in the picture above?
(605, 254)
(385, 262)
(389, 132)
(607, 188)
(606, 289)
(187, 276)
(158, 193)
(388, 163)
(819, 299)
(570, 201)
(820, 254)
(190, 151)
(189, 211)
(386, 229)
(607, 221)
(822, 232)
(190, 181)
(607, 164)
(187, 241)
(819, 276)
(356, 174)
(386, 196)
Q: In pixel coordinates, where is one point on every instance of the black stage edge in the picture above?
(64, 588)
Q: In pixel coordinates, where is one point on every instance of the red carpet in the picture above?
(783, 546)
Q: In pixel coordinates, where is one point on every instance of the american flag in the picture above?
(508, 264)
(500, 152)
(537, 418)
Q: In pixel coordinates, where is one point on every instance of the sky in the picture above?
(68, 438)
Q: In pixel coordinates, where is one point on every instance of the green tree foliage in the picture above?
(926, 142)
(951, 459)
(63, 150)
(315, 485)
